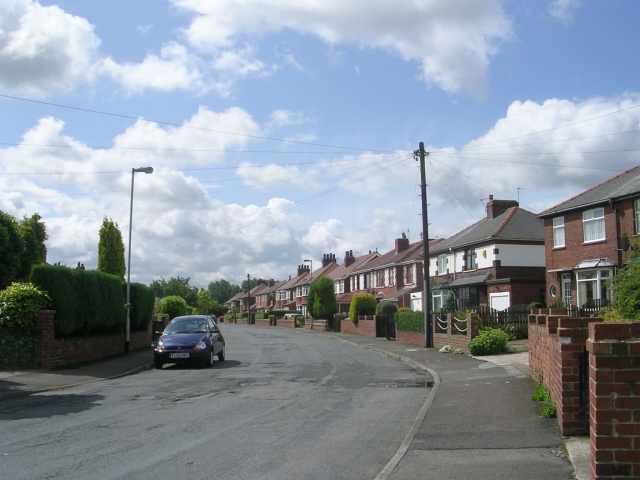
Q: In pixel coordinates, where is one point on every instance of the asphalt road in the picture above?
(284, 404)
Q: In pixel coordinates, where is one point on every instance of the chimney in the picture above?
(328, 258)
(348, 258)
(272, 282)
(302, 269)
(402, 243)
(497, 207)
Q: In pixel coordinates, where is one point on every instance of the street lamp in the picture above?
(310, 268)
(146, 170)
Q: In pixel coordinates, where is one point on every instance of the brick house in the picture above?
(341, 277)
(394, 275)
(586, 239)
(497, 262)
(265, 297)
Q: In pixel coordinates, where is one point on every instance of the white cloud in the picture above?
(561, 10)
(174, 69)
(44, 50)
(452, 41)
(282, 118)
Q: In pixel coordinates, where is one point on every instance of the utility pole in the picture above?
(428, 338)
(249, 299)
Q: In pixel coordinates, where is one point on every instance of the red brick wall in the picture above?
(556, 345)
(440, 339)
(614, 407)
(364, 327)
(320, 325)
(412, 338)
(285, 323)
(51, 352)
(262, 321)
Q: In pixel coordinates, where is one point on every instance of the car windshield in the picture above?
(188, 325)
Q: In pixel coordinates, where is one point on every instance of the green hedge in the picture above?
(410, 321)
(488, 342)
(91, 302)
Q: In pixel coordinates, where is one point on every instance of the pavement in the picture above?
(478, 417)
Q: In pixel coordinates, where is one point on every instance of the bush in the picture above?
(142, 304)
(488, 342)
(410, 321)
(58, 284)
(174, 306)
(19, 306)
(386, 309)
(362, 304)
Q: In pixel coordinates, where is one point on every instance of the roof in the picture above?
(413, 251)
(393, 297)
(514, 224)
(624, 185)
(345, 270)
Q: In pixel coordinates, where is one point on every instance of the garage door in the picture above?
(499, 301)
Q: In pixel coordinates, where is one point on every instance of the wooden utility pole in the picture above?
(428, 337)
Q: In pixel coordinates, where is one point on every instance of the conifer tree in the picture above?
(111, 249)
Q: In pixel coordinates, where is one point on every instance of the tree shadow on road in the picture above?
(46, 405)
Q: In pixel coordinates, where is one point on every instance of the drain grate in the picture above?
(401, 384)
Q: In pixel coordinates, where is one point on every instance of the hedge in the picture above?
(92, 302)
(362, 304)
(410, 321)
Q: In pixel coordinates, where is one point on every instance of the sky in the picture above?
(283, 130)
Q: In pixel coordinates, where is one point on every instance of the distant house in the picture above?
(341, 277)
(497, 262)
(586, 239)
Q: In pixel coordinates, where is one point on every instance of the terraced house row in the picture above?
(564, 255)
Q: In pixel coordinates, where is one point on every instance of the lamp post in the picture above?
(249, 299)
(146, 170)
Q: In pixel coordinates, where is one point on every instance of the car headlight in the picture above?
(201, 345)
(159, 346)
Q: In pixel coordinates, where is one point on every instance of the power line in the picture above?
(129, 117)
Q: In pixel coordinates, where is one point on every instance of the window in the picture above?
(468, 298)
(408, 274)
(367, 280)
(593, 225)
(593, 289)
(392, 277)
(338, 286)
(282, 295)
(380, 278)
(470, 259)
(558, 232)
(442, 264)
(637, 209)
(438, 300)
(566, 288)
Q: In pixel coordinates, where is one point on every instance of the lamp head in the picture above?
(146, 170)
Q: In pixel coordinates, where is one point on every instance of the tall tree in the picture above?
(34, 234)
(221, 290)
(111, 249)
(322, 299)
(11, 248)
(177, 286)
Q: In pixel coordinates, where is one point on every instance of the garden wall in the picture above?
(366, 326)
(412, 338)
(51, 352)
(281, 322)
(446, 333)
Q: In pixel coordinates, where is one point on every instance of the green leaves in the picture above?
(362, 304)
(488, 342)
(19, 306)
(111, 249)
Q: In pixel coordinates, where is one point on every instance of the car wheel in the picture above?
(221, 355)
(210, 362)
(157, 364)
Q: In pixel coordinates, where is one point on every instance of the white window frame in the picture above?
(636, 205)
(437, 299)
(590, 221)
(558, 232)
(442, 264)
(599, 279)
(565, 288)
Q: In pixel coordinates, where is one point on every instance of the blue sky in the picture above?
(284, 130)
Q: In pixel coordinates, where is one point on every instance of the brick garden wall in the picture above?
(452, 336)
(51, 352)
(556, 348)
(412, 338)
(280, 322)
(366, 326)
(614, 392)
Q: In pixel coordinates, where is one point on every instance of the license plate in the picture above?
(178, 355)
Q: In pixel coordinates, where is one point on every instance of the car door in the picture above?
(215, 336)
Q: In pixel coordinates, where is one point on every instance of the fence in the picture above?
(590, 309)
(512, 320)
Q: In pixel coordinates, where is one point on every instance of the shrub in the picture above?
(410, 321)
(362, 304)
(542, 394)
(19, 306)
(322, 300)
(488, 342)
(386, 309)
(142, 304)
(174, 306)
(58, 284)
